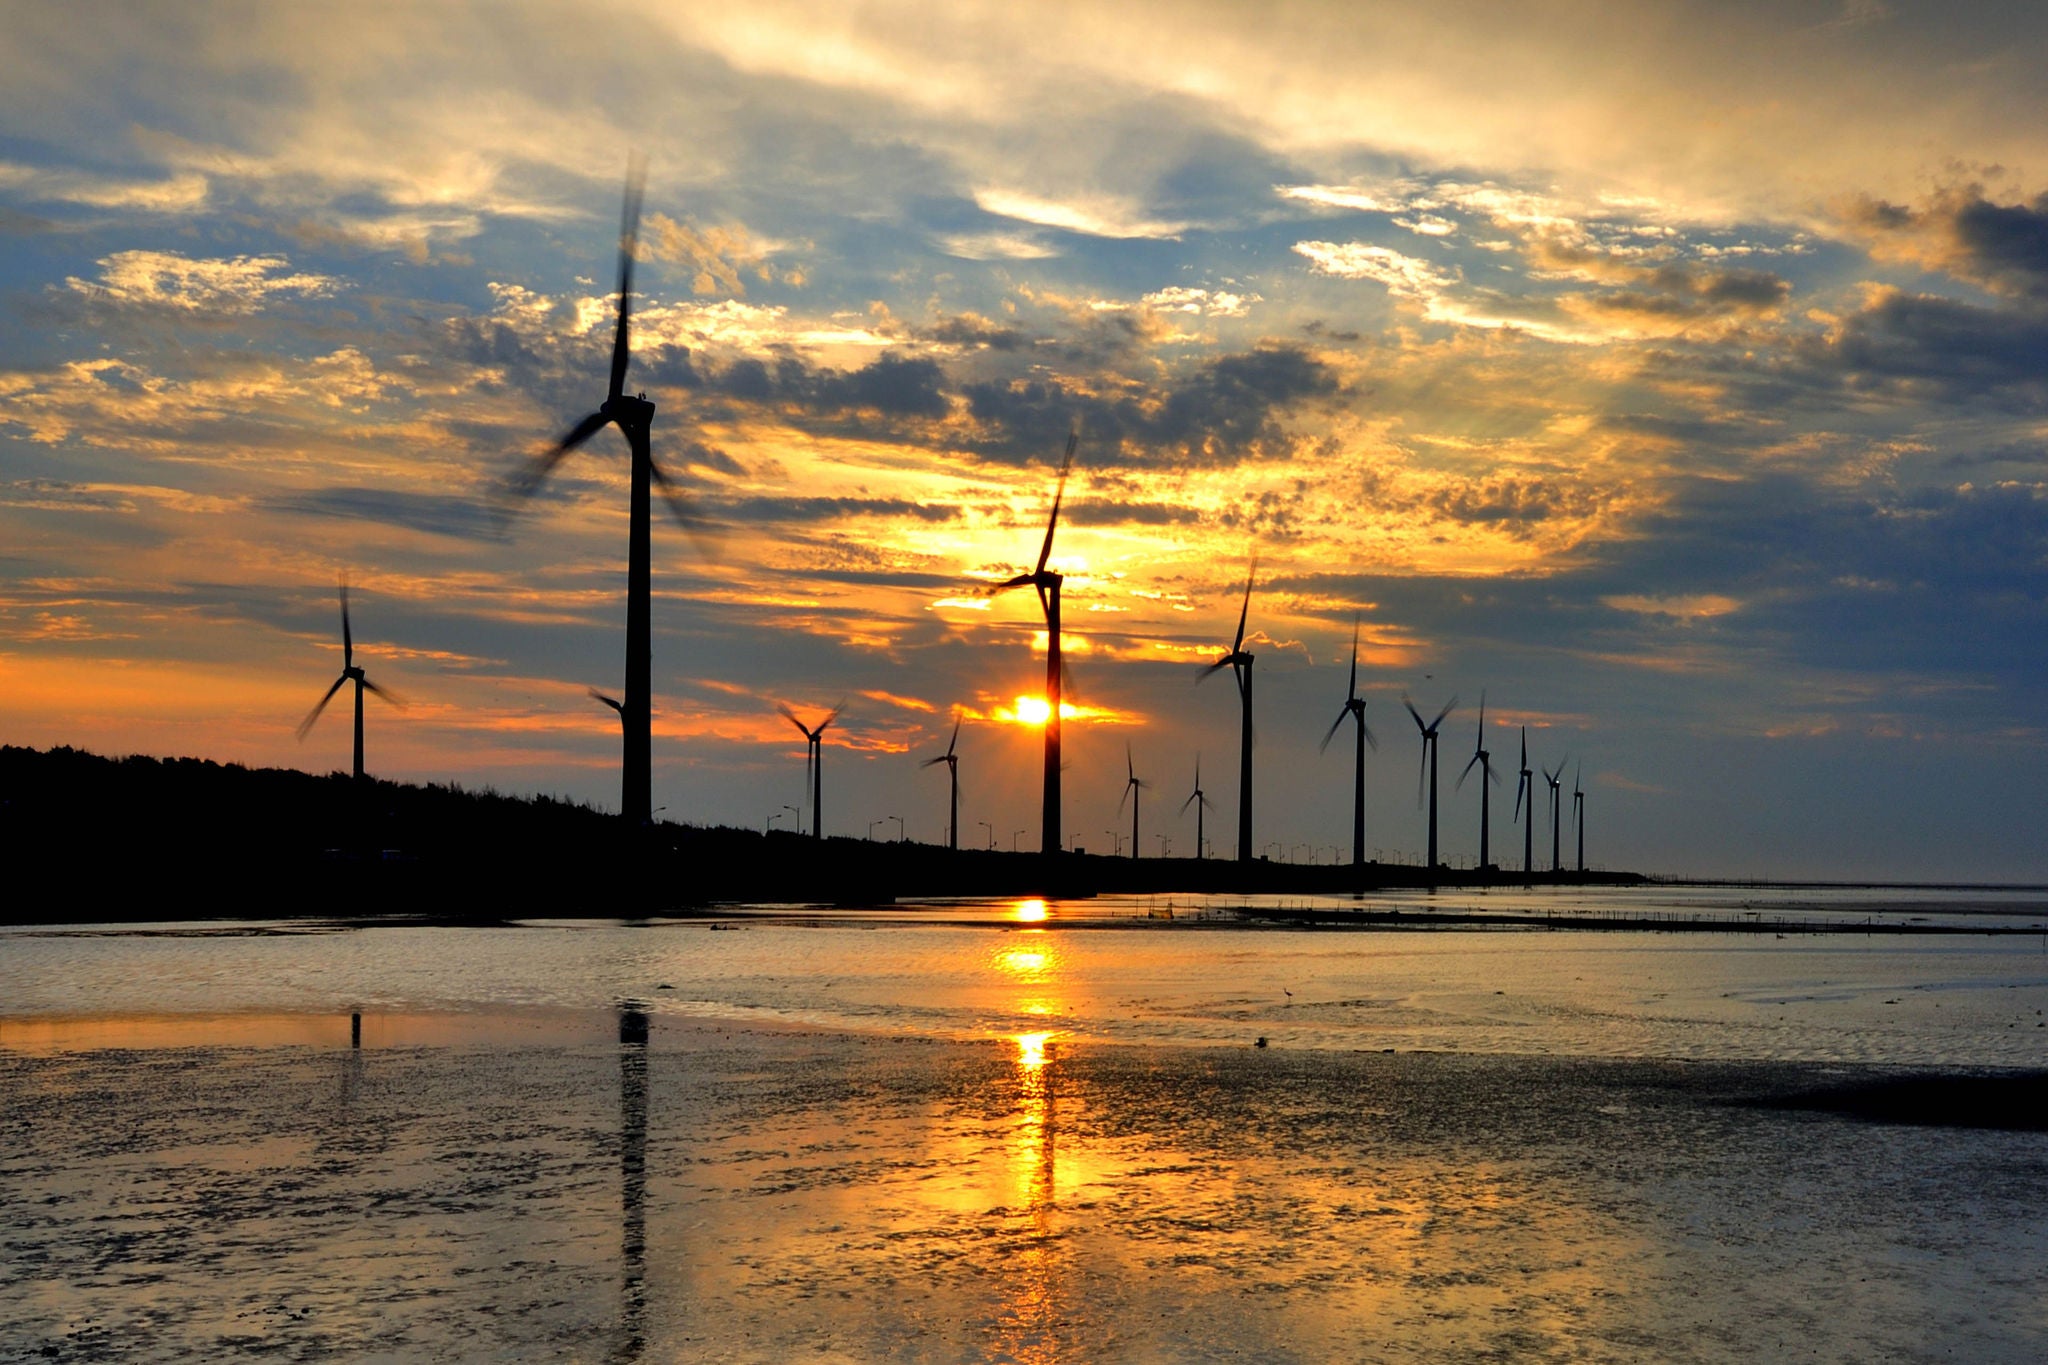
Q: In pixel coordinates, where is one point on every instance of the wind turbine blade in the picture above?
(1123, 799)
(955, 739)
(1465, 772)
(1525, 749)
(348, 640)
(314, 714)
(1331, 733)
(1482, 718)
(1520, 783)
(629, 241)
(930, 761)
(392, 697)
(1415, 713)
(701, 531)
(1059, 492)
(1192, 797)
(790, 715)
(612, 702)
(1219, 665)
(1578, 773)
(1449, 707)
(1371, 740)
(1244, 612)
(1130, 769)
(523, 484)
(1422, 773)
(1352, 694)
(830, 716)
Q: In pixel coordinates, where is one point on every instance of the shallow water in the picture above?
(1019, 1140)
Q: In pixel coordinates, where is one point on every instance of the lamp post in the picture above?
(1015, 834)
(768, 826)
(799, 817)
(991, 834)
(899, 826)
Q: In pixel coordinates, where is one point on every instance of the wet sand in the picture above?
(547, 1186)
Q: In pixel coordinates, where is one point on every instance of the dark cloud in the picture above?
(1223, 410)
(800, 510)
(1925, 340)
(2003, 247)
(972, 329)
(437, 514)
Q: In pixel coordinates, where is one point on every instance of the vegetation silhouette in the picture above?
(238, 842)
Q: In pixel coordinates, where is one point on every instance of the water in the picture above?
(1104, 972)
(1011, 1132)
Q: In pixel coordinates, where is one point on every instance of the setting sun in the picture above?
(1034, 711)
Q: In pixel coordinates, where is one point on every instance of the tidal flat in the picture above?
(618, 1142)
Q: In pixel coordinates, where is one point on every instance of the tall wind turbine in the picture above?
(1239, 662)
(1579, 813)
(1047, 583)
(1484, 759)
(1555, 779)
(349, 673)
(1200, 802)
(1428, 771)
(1133, 784)
(1525, 783)
(1354, 707)
(634, 416)
(952, 762)
(814, 762)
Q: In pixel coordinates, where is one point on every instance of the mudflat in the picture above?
(605, 1184)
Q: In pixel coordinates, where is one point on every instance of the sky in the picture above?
(1676, 379)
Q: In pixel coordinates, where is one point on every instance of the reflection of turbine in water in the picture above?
(633, 1181)
(1031, 1311)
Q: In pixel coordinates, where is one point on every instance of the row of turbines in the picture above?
(634, 416)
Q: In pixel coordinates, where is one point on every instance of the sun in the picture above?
(1035, 711)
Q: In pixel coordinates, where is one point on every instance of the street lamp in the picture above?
(799, 817)
(1015, 835)
(991, 834)
(899, 826)
(769, 826)
(871, 827)
(1116, 843)
(1162, 844)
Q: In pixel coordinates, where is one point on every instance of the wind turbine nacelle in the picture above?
(627, 410)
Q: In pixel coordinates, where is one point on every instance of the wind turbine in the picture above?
(1579, 813)
(1555, 780)
(1240, 664)
(1484, 759)
(634, 416)
(1354, 707)
(952, 762)
(1133, 784)
(814, 762)
(1522, 784)
(349, 673)
(1047, 584)
(1429, 747)
(1200, 803)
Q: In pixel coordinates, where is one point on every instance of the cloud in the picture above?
(165, 279)
(2002, 247)
(717, 258)
(1101, 216)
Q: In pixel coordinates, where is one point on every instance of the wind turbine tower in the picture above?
(1526, 783)
(1484, 760)
(1047, 584)
(1354, 709)
(1239, 662)
(634, 416)
(814, 763)
(1579, 813)
(1556, 780)
(1201, 803)
(952, 762)
(350, 672)
(1133, 784)
(1429, 747)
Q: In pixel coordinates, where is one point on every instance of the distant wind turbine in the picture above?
(1579, 812)
(952, 762)
(1200, 802)
(1239, 662)
(1525, 783)
(1428, 771)
(1133, 784)
(634, 416)
(349, 673)
(814, 762)
(1555, 779)
(1484, 759)
(1047, 583)
(1354, 707)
